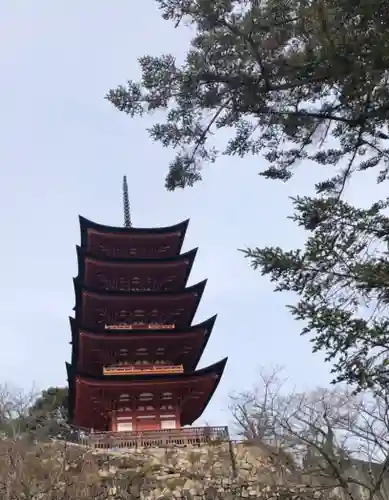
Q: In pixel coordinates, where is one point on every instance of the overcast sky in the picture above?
(63, 152)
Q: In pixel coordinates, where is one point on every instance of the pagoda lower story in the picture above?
(134, 349)
(147, 402)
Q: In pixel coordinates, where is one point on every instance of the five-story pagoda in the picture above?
(134, 348)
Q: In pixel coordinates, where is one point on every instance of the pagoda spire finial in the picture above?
(126, 204)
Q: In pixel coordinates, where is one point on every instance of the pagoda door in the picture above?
(149, 424)
(168, 424)
(124, 426)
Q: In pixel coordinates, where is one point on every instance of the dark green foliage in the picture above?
(47, 417)
(53, 400)
(280, 76)
(341, 278)
(40, 417)
(291, 80)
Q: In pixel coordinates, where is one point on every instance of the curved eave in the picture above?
(82, 254)
(216, 369)
(196, 359)
(205, 326)
(189, 419)
(71, 392)
(196, 288)
(208, 325)
(86, 224)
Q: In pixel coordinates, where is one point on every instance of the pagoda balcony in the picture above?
(185, 436)
(142, 369)
(140, 326)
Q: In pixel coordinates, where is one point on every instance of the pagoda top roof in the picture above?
(86, 224)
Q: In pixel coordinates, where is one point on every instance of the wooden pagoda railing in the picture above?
(140, 326)
(142, 369)
(185, 436)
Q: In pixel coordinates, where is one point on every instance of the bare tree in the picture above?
(33, 414)
(14, 409)
(45, 471)
(338, 441)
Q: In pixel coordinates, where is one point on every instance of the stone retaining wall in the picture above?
(214, 471)
(208, 472)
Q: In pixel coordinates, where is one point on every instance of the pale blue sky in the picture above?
(63, 151)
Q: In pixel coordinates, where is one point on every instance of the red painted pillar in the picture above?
(113, 423)
(158, 417)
